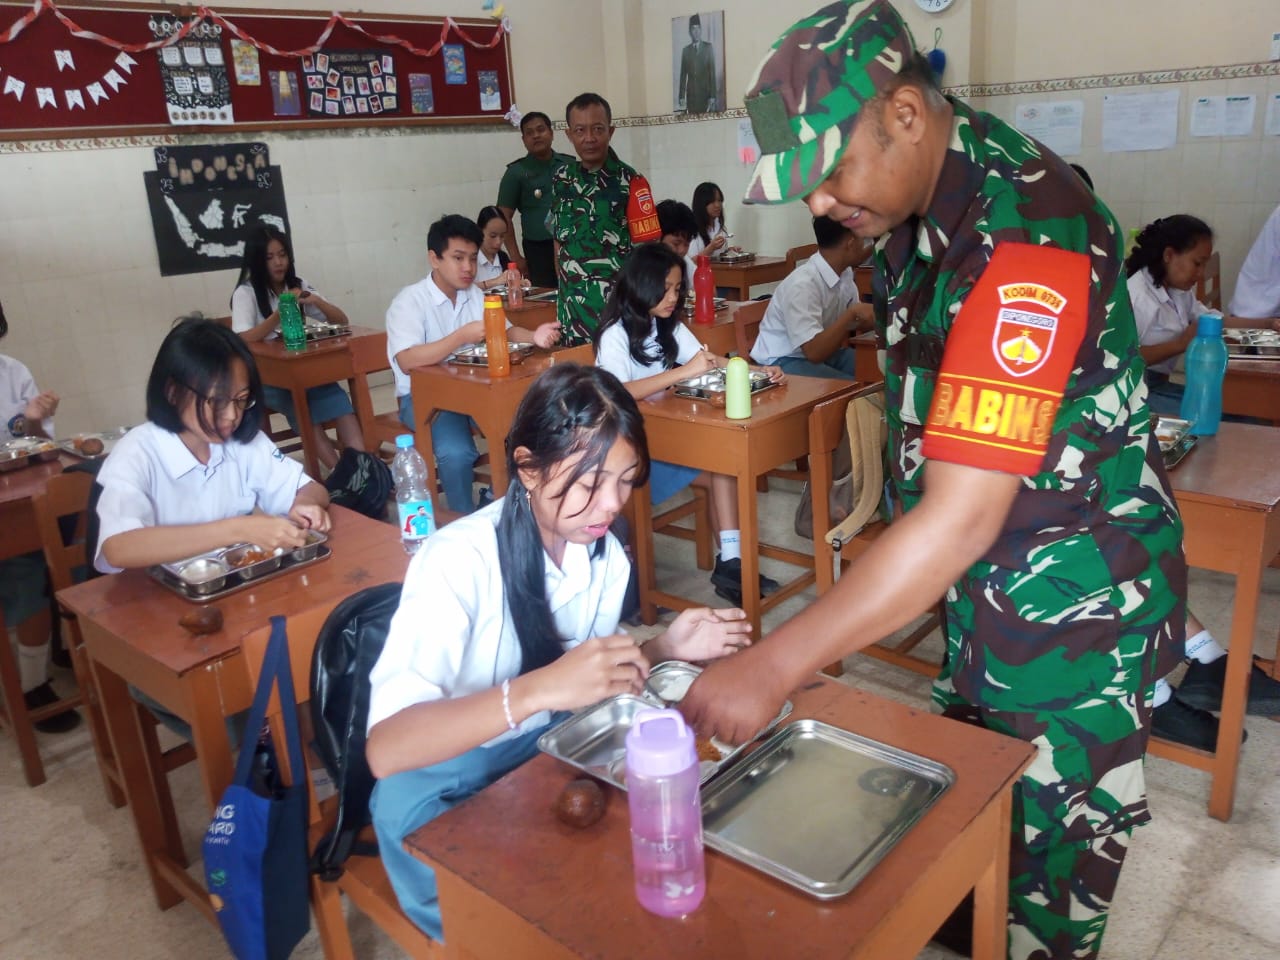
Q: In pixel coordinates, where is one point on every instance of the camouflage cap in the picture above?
(807, 91)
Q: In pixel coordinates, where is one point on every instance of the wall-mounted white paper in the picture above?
(1223, 116)
(748, 148)
(1058, 125)
(1139, 121)
(1273, 116)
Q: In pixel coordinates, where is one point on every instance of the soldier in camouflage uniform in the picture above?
(1019, 447)
(588, 219)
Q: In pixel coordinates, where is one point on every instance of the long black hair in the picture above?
(641, 285)
(703, 194)
(1181, 232)
(253, 269)
(568, 410)
(195, 361)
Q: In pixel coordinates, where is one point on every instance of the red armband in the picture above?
(1007, 360)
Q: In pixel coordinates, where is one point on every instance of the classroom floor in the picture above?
(72, 886)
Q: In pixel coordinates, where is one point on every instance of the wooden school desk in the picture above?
(743, 276)
(1251, 388)
(132, 637)
(532, 313)
(1228, 489)
(696, 434)
(517, 884)
(351, 357)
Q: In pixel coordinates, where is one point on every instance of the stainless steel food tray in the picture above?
(477, 354)
(15, 454)
(325, 331)
(108, 438)
(236, 580)
(691, 305)
(734, 258)
(1174, 436)
(710, 386)
(546, 296)
(818, 807)
(594, 740)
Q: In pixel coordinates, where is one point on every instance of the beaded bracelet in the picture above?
(506, 704)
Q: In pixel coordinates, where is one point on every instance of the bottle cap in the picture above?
(404, 440)
(701, 258)
(492, 300)
(1209, 325)
(660, 744)
(287, 296)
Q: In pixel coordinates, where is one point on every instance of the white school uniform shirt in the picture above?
(487, 269)
(421, 313)
(806, 302)
(1257, 293)
(697, 244)
(1161, 313)
(613, 353)
(244, 307)
(17, 389)
(151, 479)
(453, 635)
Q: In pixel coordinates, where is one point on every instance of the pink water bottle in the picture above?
(666, 814)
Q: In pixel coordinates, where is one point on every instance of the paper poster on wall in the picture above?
(421, 99)
(1058, 125)
(285, 97)
(347, 77)
(1139, 121)
(1272, 127)
(194, 76)
(1223, 116)
(210, 166)
(201, 230)
(244, 58)
(748, 147)
(697, 62)
(455, 64)
(490, 98)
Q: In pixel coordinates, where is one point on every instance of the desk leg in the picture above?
(209, 732)
(749, 530)
(1235, 688)
(310, 455)
(124, 726)
(991, 893)
(363, 403)
(494, 435)
(639, 513)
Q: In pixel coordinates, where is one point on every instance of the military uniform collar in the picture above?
(612, 166)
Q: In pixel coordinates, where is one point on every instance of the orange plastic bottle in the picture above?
(495, 337)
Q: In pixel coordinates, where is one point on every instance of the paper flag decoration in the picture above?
(74, 99)
(96, 92)
(125, 62)
(63, 59)
(45, 97)
(15, 86)
(747, 154)
(114, 80)
(513, 116)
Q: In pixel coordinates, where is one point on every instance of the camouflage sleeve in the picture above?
(559, 194)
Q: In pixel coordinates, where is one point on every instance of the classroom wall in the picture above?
(78, 271)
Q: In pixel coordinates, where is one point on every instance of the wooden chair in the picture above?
(66, 500)
(1209, 286)
(363, 879)
(827, 426)
(797, 255)
(746, 326)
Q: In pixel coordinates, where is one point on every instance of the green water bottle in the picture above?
(292, 327)
(737, 389)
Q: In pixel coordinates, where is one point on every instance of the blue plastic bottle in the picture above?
(1206, 365)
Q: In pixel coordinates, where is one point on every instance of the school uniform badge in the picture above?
(1026, 325)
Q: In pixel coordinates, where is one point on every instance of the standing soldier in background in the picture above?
(526, 186)
(1035, 499)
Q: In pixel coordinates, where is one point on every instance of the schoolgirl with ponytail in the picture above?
(509, 616)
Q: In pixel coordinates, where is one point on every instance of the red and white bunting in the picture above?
(12, 85)
(64, 60)
(45, 97)
(74, 98)
(96, 92)
(114, 80)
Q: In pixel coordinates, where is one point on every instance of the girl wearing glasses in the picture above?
(267, 272)
(189, 479)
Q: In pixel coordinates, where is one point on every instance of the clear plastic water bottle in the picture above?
(515, 287)
(293, 328)
(413, 500)
(666, 814)
(1206, 365)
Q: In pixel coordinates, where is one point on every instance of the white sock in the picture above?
(33, 665)
(1204, 648)
(730, 545)
(1162, 694)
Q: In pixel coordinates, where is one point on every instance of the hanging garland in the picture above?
(204, 13)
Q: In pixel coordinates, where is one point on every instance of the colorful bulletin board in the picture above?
(82, 68)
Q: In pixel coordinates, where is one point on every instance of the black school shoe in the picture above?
(42, 696)
(727, 579)
(1202, 687)
(1178, 721)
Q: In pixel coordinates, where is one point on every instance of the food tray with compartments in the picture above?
(710, 386)
(818, 807)
(23, 451)
(594, 740)
(75, 445)
(691, 304)
(477, 354)
(220, 573)
(732, 258)
(320, 330)
(1175, 438)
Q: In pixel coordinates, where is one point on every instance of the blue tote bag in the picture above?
(255, 849)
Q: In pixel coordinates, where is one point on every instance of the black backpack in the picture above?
(347, 647)
(361, 482)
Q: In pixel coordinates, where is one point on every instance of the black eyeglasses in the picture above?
(221, 404)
